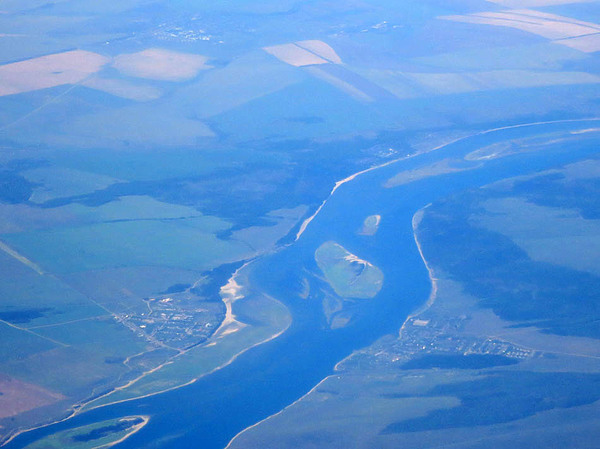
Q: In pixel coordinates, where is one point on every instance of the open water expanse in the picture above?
(208, 413)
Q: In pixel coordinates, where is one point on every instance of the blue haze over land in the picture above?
(168, 171)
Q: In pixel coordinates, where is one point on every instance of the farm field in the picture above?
(312, 224)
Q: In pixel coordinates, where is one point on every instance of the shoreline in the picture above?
(223, 365)
(338, 184)
(76, 409)
(230, 293)
(222, 329)
(303, 227)
(277, 413)
(431, 299)
(176, 387)
(228, 306)
(135, 429)
(416, 220)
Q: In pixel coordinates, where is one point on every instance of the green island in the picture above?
(99, 435)
(349, 275)
(505, 351)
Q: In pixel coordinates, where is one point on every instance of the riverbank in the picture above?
(268, 370)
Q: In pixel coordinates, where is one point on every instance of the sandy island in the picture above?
(134, 429)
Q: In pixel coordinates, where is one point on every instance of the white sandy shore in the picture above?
(134, 429)
(276, 414)
(303, 227)
(338, 184)
(415, 223)
(230, 293)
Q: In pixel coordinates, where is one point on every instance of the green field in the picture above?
(268, 317)
(30, 299)
(139, 243)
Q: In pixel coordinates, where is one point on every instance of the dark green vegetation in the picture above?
(558, 190)
(102, 434)
(14, 188)
(176, 288)
(503, 397)
(215, 279)
(470, 361)
(23, 316)
(501, 274)
(504, 355)
(150, 149)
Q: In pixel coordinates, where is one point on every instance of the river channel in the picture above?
(263, 380)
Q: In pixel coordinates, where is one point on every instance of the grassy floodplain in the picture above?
(255, 318)
(102, 434)
(150, 148)
(502, 354)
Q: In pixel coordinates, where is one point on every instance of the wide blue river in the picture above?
(208, 413)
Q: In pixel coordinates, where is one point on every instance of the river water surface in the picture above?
(265, 379)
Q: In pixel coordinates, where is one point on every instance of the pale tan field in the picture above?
(550, 26)
(294, 55)
(554, 17)
(70, 67)
(409, 85)
(535, 3)
(18, 397)
(311, 54)
(78, 66)
(160, 64)
(586, 44)
(321, 49)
